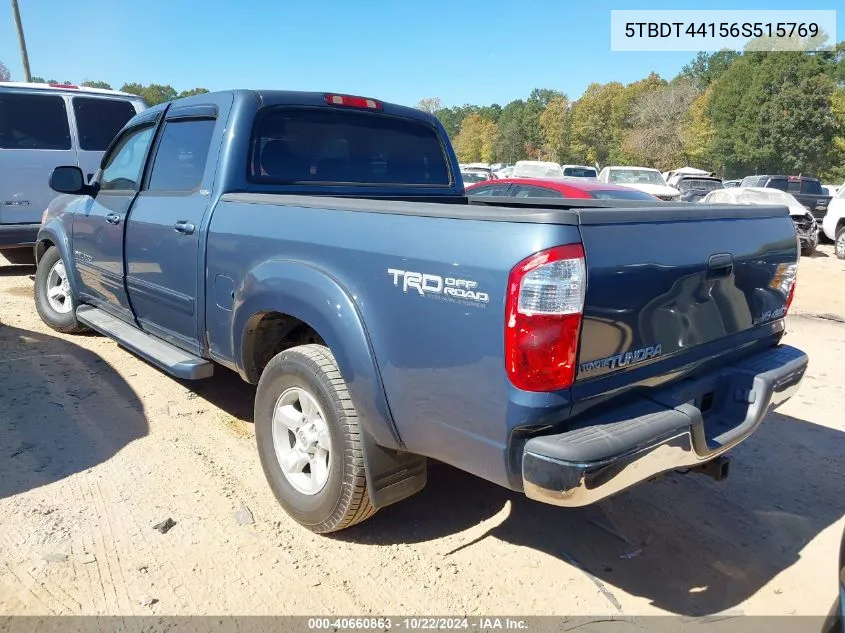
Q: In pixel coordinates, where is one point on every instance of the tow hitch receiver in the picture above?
(715, 469)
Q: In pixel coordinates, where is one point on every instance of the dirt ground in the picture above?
(96, 447)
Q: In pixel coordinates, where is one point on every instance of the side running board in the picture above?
(174, 361)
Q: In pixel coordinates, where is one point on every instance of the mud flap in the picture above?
(392, 475)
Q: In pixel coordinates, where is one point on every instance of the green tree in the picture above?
(556, 129)
(708, 67)
(512, 144)
(152, 94)
(192, 92)
(476, 140)
(5, 73)
(39, 80)
(772, 113)
(96, 84)
(594, 138)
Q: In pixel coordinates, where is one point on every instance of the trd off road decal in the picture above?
(451, 289)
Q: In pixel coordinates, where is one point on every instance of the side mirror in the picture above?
(68, 180)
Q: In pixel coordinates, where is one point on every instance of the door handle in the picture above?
(113, 218)
(720, 265)
(184, 227)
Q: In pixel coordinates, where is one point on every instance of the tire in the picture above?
(288, 380)
(839, 244)
(20, 256)
(63, 320)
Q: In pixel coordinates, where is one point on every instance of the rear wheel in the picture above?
(839, 244)
(53, 298)
(309, 441)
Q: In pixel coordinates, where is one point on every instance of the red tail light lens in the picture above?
(784, 281)
(545, 303)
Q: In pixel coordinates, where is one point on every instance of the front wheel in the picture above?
(839, 244)
(53, 298)
(309, 440)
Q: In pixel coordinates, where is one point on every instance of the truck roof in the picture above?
(71, 88)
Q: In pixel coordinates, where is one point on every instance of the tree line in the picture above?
(729, 112)
(153, 94)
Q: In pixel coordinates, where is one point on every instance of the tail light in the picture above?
(545, 303)
(784, 281)
(353, 102)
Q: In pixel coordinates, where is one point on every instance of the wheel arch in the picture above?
(298, 295)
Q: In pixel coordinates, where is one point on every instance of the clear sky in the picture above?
(482, 52)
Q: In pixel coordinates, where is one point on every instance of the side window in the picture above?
(525, 191)
(483, 190)
(181, 156)
(29, 121)
(99, 120)
(779, 183)
(123, 167)
(490, 190)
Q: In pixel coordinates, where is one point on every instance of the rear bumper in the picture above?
(15, 235)
(684, 425)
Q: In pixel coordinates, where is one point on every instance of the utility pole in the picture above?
(21, 41)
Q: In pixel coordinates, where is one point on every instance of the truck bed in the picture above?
(648, 284)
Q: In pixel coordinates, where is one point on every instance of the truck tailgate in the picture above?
(669, 288)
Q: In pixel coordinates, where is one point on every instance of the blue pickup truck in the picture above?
(322, 247)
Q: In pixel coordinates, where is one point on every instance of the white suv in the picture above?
(833, 224)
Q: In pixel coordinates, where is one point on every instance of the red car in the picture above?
(556, 188)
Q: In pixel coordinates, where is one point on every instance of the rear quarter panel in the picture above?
(440, 360)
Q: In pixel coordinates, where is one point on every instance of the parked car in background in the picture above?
(731, 183)
(505, 172)
(556, 188)
(642, 178)
(806, 227)
(694, 188)
(808, 191)
(471, 175)
(833, 224)
(669, 176)
(579, 171)
(43, 126)
(536, 169)
(499, 166)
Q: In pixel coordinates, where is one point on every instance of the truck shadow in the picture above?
(10, 270)
(689, 545)
(63, 410)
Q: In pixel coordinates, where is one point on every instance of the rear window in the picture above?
(331, 146)
(611, 194)
(813, 187)
(29, 121)
(578, 172)
(699, 184)
(99, 120)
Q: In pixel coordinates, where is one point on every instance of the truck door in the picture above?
(99, 221)
(163, 248)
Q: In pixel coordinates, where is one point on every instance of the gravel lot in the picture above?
(96, 447)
